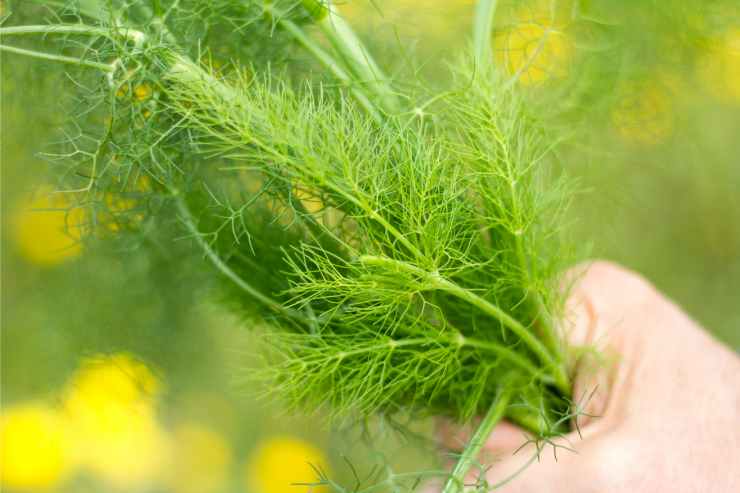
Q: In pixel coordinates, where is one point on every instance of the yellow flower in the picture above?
(47, 227)
(143, 92)
(34, 451)
(117, 380)
(309, 199)
(644, 113)
(201, 460)
(719, 70)
(280, 462)
(111, 405)
(534, 47)
(132, 453)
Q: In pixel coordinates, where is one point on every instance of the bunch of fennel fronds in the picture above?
(405, 255)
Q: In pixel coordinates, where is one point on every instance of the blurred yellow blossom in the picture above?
(534, 46)
(106, 381)
(280, 462)
(47, 227)
(143, 91)
(34, 449)
(310, 200)
(111, 405)
(644, 112)
(201, 460)
(719, 69)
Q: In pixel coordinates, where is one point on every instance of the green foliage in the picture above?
(403, 261)
(443, 233)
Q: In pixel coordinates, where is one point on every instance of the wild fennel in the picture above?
(404, 258)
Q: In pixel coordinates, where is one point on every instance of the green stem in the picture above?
(456, 482)
(483, 31)
(436, 281)
(520, 330)
(461, 341)
(482, 34)
(79, 29)
(561, 378)
(507, 353)
(547, 324)
(54, 29)
(57, 58)
(358, 58)
(392, 230)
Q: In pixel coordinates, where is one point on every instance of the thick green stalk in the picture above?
(358, 58)
(546, 324)
(333, 66)
(354, 59)
(483, 32)
(456, 482)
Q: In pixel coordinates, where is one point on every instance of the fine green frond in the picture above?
(400, 264)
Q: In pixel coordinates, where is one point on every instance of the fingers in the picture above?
(592, 377)
(603, 320)
(602, 297)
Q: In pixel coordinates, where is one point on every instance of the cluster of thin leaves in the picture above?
(409, 219)
(403, 262)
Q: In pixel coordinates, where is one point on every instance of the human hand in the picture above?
(668, 406)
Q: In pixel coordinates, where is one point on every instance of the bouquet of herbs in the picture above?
(402, 246)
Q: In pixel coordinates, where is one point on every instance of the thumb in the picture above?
(595, 330)
(602, 293)
(603, 332)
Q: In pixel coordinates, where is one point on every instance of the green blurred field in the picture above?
(131, 359)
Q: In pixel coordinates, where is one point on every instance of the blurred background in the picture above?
(122, 372)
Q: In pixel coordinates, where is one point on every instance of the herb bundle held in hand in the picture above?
(405, 257)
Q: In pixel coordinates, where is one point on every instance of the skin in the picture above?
(667, 400)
